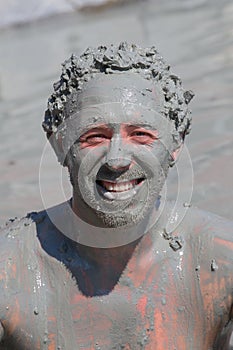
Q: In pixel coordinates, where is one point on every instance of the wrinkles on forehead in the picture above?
(123, 88)
(98, 95)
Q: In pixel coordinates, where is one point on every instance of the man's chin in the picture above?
(125, 218)
(115, 220)
(114, 213)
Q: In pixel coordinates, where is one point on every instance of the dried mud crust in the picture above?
(118, 59)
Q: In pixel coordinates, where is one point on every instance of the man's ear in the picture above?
(55, 141)
(175, 154)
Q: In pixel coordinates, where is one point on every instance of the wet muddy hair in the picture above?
(115, 59)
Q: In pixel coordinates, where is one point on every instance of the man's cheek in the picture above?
(89, 160)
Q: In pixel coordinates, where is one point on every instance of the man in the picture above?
(116, 267)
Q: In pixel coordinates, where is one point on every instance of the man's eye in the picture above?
(140, 133)
(143, 137)
(95, 138)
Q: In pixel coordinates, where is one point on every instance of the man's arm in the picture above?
(216, 235)
(1, 332)
(224, 340)
(223, 251)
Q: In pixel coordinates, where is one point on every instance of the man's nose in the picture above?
(118, 156)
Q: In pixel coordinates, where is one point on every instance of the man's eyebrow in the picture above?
(108, 126)
(93, 127)
(141, 125)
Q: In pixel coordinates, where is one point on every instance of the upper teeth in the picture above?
(120, 186)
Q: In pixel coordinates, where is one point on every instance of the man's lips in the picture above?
(119, 186)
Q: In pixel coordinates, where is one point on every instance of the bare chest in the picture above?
(157, 309)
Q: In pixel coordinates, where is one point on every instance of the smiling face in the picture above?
(118, 148)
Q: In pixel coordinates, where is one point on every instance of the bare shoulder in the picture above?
(15, 236)
(18, 242)
(11, 235)
(205, 235)
(209, 225)
(19, 239)
(210, 237)
(194, 222)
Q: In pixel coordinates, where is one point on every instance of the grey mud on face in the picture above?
(118, 153)
(116, 141)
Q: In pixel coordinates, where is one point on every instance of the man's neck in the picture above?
(105, 257)
(98, 270)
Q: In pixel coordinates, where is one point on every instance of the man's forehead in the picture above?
(115, 99)
(122, 112)
(120, 87)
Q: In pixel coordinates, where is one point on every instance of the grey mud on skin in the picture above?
(121, 153)
(100, 271)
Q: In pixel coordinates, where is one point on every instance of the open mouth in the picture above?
(119, 186)
(119, 190)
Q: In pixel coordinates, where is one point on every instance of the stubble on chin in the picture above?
(130, 214)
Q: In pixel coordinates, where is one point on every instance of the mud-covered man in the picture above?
(116, 267)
